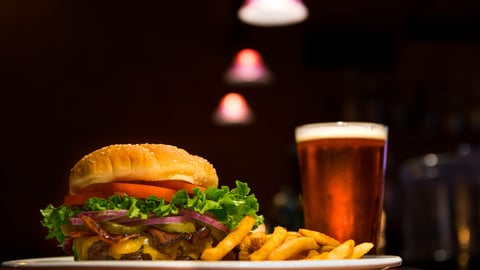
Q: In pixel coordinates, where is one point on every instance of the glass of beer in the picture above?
(342, 171)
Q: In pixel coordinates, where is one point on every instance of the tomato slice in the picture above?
(134, 190)
(179, 185)
(107, 189)
(162, 189)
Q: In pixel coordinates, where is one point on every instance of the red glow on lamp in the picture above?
(233, 109)
(248, 68)
(248, 58)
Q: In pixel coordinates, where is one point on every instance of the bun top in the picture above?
(141, 162)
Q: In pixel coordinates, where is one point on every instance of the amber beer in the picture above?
(342, 169)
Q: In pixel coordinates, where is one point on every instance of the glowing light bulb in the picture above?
(248, 58)
(233, 109)
(273, 12)
(248, 68)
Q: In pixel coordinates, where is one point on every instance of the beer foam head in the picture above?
(341, 130)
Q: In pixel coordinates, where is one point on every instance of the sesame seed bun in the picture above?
(141, 162)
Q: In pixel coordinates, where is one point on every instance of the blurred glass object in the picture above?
(272, 12)
(441, 202)
(287, 209)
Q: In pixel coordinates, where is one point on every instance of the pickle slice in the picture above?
(116, 228)
(180, 227)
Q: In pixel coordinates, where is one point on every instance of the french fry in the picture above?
(292, 235)
(326, 248)
(320, 256)
(291, 248)
(321, 238)
(230, 241)
(282, 244)
(276, 239)
(299, 256)
(244, 246)
(312, 253)
(250, 243)
(360, 250)
(243, 255)
(246, 243)
(257, 240)
(342, 251)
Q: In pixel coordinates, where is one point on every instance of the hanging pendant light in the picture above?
(272, 12)
(233, 109)
(248, 68)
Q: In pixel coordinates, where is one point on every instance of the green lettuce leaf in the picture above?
(229, 206)
(54, 218)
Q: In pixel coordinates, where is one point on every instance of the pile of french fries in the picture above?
(281, 244)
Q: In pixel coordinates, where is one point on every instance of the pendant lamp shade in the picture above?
(272, 12)
(233, 109)
(248, 68)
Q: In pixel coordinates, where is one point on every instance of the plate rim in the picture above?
(368, 262)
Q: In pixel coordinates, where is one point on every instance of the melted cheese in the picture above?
(155, 254)
(117, 250)
(127, 246)
(83, 244)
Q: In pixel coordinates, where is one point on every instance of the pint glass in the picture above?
(342, 171)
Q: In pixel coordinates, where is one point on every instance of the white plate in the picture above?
(366, 263)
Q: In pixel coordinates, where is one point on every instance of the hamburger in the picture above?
(145, 202)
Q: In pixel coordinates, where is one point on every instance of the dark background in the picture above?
(78, 75)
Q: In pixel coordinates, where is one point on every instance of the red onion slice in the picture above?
(98, 216)
(76, 221)
(105, 213)
(118, 216)
(205, 219)
(160, 220)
